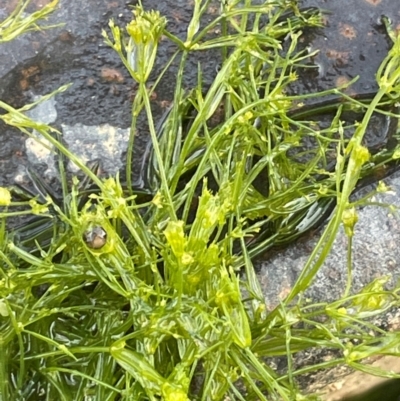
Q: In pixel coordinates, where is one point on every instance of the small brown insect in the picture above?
(95, 237)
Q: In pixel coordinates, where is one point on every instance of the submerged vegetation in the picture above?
(115, 292)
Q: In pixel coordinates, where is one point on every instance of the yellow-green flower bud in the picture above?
(176, 237)
(38, 208)
(349, 219)
(5, 197)
(145, 31)
(172, 393)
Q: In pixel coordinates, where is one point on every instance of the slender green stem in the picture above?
(325, 243)
(164, 182)
(132, 133)
(349, 278)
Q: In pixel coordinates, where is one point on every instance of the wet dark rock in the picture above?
(102, 91)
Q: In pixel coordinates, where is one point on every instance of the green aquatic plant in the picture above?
(18, 22)
(166, 304)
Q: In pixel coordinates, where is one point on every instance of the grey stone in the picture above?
(104, 143)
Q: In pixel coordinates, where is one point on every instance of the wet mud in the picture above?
(352, 43)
